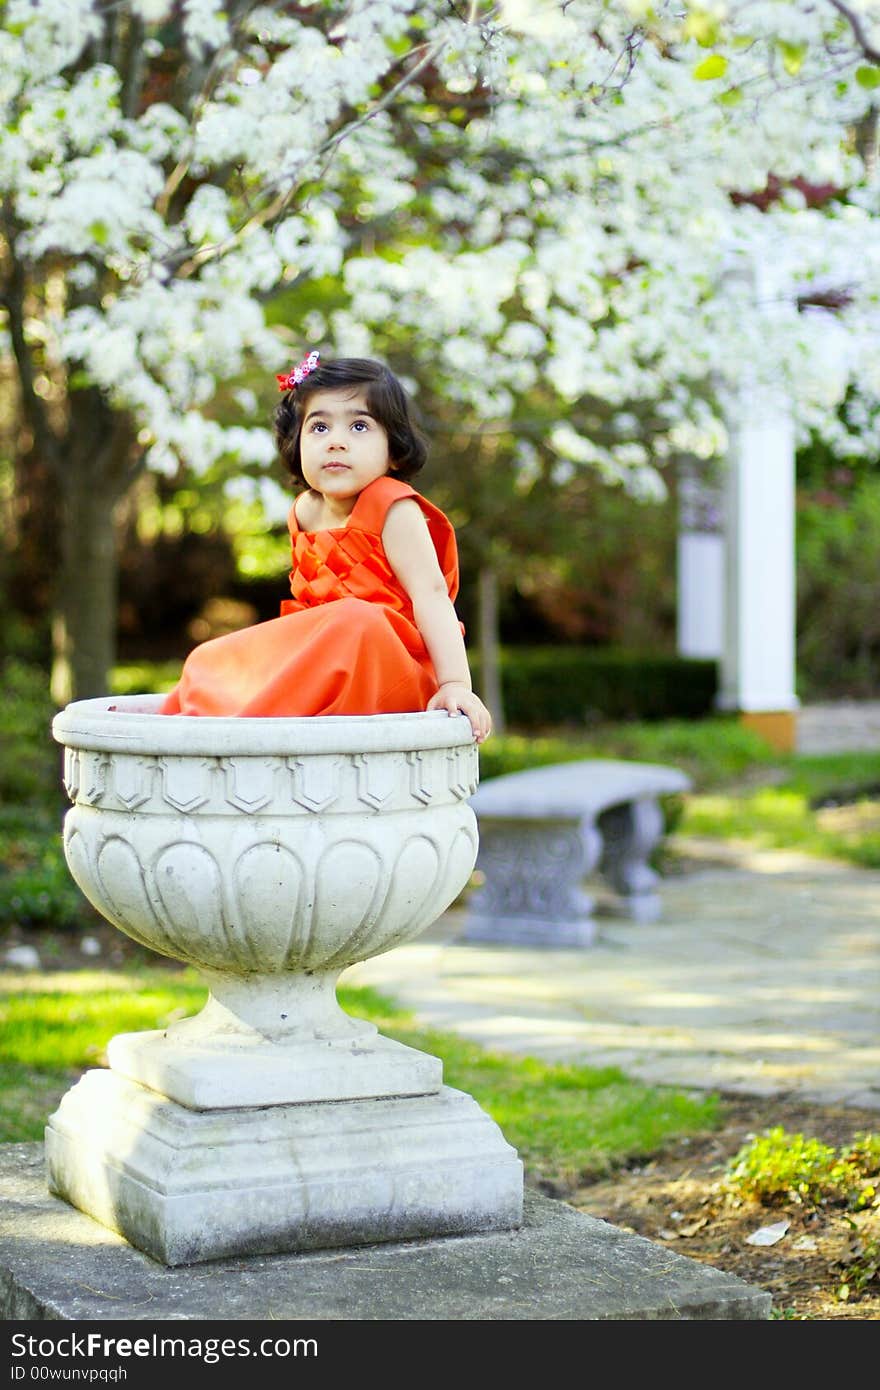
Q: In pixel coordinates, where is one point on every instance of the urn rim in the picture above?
(133, 724)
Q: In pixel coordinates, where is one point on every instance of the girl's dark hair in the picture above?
(386, 400)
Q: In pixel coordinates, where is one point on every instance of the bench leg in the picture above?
(532, 893)
(629, 833)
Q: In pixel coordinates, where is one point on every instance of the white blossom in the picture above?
(205, 25)
(576, 232)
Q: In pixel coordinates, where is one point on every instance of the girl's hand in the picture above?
(455, 696)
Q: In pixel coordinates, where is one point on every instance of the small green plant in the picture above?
(781, 1166)
(860, 1266)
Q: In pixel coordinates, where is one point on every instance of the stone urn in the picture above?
(271, 854)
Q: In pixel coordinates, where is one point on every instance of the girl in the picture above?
(371, 628)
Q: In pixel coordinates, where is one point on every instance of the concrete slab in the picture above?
(57, 1264)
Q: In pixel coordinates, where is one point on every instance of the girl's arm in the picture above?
(411, 554)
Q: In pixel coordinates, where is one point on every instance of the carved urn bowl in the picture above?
(268, 853)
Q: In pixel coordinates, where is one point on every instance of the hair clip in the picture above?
(288, 381)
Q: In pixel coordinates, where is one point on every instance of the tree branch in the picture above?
(132, 67)
(326, 151)
(216, 68)
(855, 23)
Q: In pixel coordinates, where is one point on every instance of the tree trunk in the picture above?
(95, 476)
(490, 664)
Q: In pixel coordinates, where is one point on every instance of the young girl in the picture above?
(371, 628)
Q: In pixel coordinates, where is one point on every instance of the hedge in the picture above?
(581, 685)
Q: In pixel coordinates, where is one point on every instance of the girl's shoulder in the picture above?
(369, 511)
(377, 498)
(439, 525)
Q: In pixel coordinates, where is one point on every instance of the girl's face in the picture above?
(343, 448)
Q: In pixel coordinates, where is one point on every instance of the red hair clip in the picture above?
(288, 381)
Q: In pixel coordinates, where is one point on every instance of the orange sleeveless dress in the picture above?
(346, 643)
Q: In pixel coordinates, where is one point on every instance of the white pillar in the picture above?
(700, 568)
(758, 661)
(758, 657)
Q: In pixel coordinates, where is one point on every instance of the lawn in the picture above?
(827, 806)
(567, 1121)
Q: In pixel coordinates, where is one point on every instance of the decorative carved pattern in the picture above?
(303, 786)
(184, 782)
(376, 780)
(462, 770)
(93, 782)
(317, 782)
(272, 905)
(250, 782)
(71, 772)
(132, 780)
(420, 777)
(535, 869)
(270, 873)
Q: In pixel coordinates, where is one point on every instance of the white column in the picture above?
(758, 661)
(700, 568)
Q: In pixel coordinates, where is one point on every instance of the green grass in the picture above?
(564, 1120)
(786, 815)
(570, 1121)
(711, 751)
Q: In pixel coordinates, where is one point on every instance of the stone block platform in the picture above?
(57, 1264)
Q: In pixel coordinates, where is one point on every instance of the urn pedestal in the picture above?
(271, 854)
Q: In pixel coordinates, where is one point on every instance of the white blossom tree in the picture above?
(537, 194)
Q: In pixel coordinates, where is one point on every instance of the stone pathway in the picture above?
(761, 977)
(841, 726)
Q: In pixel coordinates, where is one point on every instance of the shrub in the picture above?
(578, 685)
(781, 1165)
(29, 761)
(36, 889)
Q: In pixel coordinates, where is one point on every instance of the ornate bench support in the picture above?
(542, 832)
(533, 871)
(630, 833)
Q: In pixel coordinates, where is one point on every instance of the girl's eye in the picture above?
(318, 425)
(360, 425)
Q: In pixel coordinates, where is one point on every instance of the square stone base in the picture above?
(186, 1186)
(560, 1265)
(230, 1075)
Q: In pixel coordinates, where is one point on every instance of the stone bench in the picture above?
(542, 832)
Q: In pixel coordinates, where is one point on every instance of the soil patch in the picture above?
(676, 1198)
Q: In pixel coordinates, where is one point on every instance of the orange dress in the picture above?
(346, 643)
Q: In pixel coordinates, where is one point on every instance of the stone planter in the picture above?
(271, 854)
